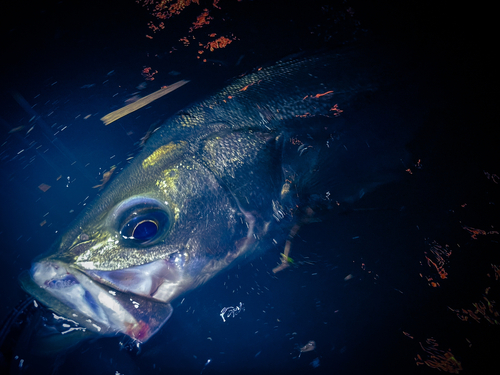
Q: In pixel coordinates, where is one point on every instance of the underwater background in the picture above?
(402, 281)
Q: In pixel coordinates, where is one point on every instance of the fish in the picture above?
(217, 184)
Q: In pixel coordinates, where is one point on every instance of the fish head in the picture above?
(169, 222)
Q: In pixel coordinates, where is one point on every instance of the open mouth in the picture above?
(94, 305)
(161, 280)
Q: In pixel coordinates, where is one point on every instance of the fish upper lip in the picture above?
(158, 280)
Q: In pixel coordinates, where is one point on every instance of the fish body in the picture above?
(214, 184)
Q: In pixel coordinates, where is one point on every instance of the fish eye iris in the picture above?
(145, 230)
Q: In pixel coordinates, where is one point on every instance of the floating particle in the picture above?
(119, 113)
(231, 311)
(44, 187)
(311, 345)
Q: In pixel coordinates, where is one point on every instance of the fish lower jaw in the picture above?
(95, 306)
(80, 294)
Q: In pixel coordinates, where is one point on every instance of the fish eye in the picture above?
(142, 221)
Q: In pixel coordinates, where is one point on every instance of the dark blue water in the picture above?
(361, 287)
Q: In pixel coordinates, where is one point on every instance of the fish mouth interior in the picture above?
(98, 307)
(161, 280)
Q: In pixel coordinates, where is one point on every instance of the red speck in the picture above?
(139, 331)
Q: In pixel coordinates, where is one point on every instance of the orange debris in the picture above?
(317, 95)
(202, 20)
(221, 42)
(478, 232)
(148, 73)
(336, 110)
(105, 178)
(407, 335)
(440, 255)
(437, 358)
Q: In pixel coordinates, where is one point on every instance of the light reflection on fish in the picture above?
(221, 180)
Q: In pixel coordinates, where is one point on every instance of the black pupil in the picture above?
(145, 230)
